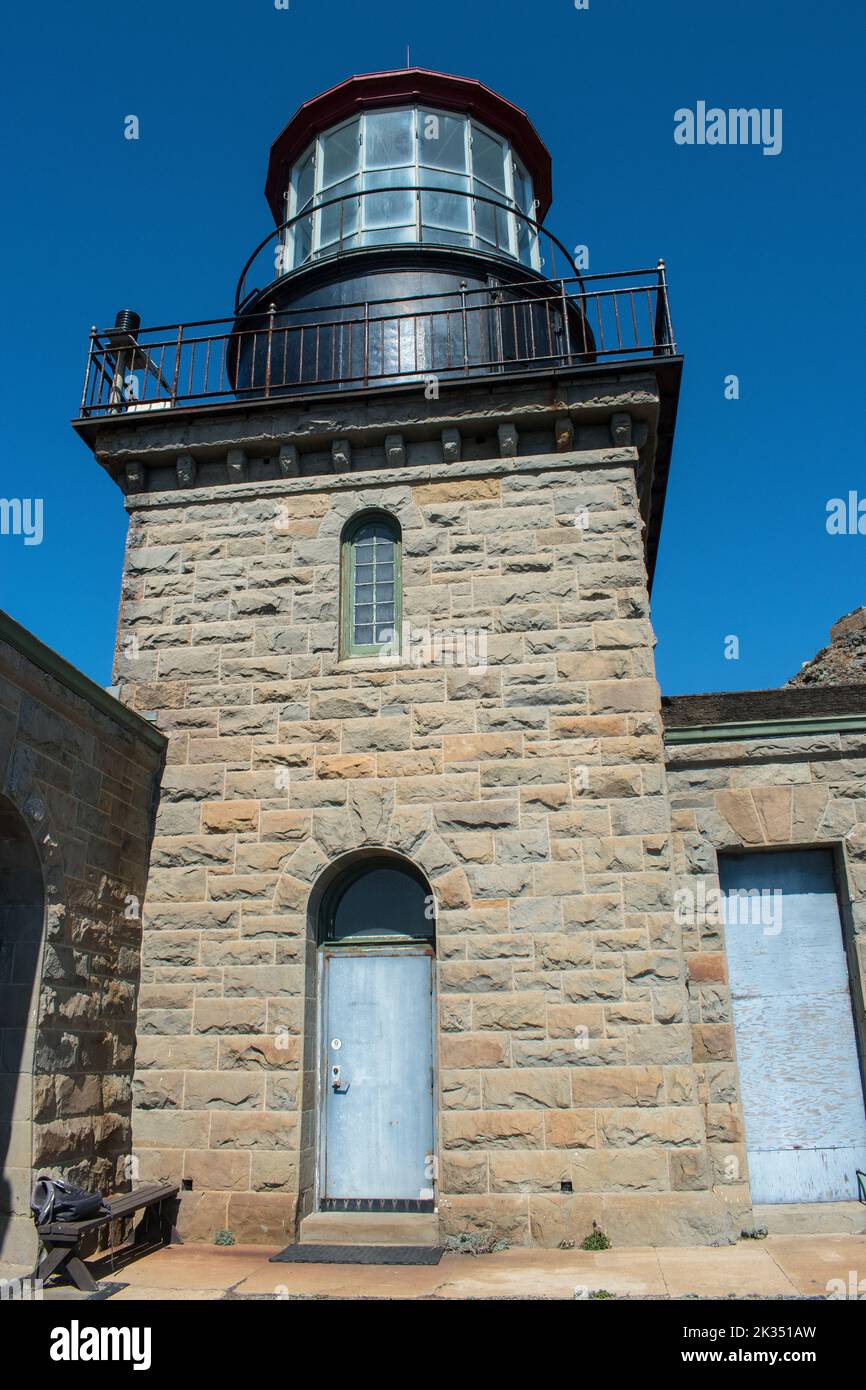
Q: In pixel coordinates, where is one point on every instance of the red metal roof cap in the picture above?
(440, 89)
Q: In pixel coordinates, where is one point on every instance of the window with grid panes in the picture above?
(372, 606)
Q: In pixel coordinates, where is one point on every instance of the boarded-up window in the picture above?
(796, 1045)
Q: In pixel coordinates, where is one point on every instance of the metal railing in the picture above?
(330, 227)
(283, 351)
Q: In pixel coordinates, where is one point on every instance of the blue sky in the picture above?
(765, 261)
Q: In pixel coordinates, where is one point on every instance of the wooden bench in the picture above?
(61, 1239)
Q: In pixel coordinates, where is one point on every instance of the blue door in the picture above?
(378, 1064)
(794, 1026)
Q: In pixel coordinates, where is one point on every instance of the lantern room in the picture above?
(409, 157)
(410, 174)
(408, 207)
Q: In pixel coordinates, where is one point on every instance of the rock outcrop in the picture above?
(843, 662)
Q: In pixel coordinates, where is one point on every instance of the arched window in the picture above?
(371, 586)
(378, 899)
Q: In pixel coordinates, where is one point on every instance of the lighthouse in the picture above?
(411, 967)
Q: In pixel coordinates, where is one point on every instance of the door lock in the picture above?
(336, 1081)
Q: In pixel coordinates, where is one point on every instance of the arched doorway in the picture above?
(376, 932)
(21, 919)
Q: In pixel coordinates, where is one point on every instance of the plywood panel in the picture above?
(799, 1071)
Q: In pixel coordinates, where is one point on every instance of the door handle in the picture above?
(336, 1081)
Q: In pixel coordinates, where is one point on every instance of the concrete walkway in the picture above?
(778, 1267)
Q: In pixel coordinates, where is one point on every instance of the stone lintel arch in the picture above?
(393, 498)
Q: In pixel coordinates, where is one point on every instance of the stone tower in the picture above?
(409, 944)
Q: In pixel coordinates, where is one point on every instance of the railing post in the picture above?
(177, 349)
(663, 312)
(463, 284)
(272, 309)
(90, 346)
(566, 323)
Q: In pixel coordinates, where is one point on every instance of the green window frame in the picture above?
(372, 587)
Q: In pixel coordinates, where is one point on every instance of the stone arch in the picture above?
(370, 820)
(395, 499)
(23, 901)
(774, 815)
(371, 513)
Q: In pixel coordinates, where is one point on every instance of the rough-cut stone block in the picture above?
(289, 461)
(236, 466)
(493, 1130)
(507, 437)
(341, 456)
(541, 1088)
(395, 450)
(210, 1090)
(564, 433)
(452, 446)
(186, 470)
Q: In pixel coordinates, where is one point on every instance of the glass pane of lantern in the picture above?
(303, 179)
(444, 178)
(394, 209)
(485, 223)
(389, 139)
(491, 224)
(390, 178)
(340, 154)
(449, 210)
(340, 220)
(524, 242)
(303, 234)
(488, 159)
(441, 141)
(522, 188)
(388, 236)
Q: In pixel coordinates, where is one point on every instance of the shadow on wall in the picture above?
(22, 902)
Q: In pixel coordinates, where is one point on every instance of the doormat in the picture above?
(377, 1204)
(359, 1255)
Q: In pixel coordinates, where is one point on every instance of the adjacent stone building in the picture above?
(426, 945)
(78, 779)
(751, 773)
